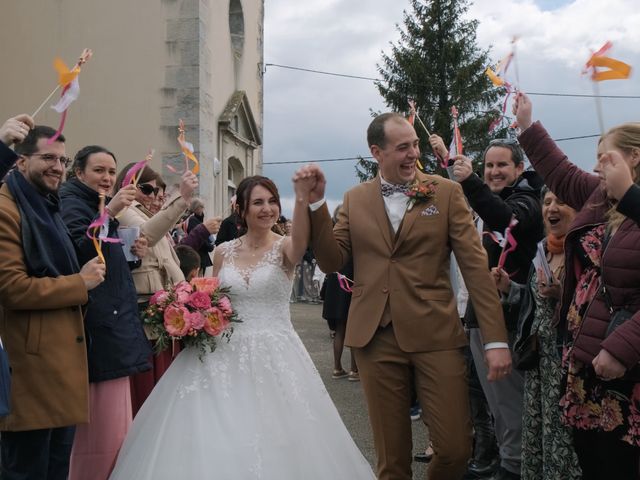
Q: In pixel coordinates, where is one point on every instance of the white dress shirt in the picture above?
(395, 206)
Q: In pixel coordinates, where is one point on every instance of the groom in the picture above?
(403, 316)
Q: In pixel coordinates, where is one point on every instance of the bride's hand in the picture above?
(304, 182)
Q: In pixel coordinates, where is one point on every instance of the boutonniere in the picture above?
(420, 192)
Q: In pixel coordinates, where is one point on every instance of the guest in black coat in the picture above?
(335, 311)
(197, 218)
(116, 344)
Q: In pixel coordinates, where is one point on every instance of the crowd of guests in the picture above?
(82, 363)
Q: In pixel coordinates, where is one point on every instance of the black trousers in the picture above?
(36, 454)
(603, 456)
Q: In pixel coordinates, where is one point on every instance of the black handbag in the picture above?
(618, 315)
(526, 351)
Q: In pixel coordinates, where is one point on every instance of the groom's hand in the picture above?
(498, 363)
(317, 192)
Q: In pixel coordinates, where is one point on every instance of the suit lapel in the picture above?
(379, 212)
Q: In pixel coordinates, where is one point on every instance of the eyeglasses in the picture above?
(51, 158)
(147, 189)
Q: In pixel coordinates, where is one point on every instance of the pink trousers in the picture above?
(97, 443)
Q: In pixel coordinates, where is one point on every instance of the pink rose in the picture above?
(176, 321)
(196, 320)
(199, 300)
(225, 305)
(160, 296)
(183, 290)
(214, 321)
(206, 284)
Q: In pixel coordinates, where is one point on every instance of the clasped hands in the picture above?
(309, 184)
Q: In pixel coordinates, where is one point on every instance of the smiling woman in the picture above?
(118, 347)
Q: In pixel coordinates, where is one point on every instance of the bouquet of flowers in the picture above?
(196, 312)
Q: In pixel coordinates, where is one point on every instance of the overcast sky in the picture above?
(310, 117)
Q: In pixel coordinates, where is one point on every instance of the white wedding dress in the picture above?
(255, 408)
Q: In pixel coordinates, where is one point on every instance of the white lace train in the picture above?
(256, 408)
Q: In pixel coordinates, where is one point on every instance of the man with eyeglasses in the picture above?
(42, 289)
(507, 192)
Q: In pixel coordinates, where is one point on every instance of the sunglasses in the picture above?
(147, 189)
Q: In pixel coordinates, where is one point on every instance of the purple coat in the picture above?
(620, 262)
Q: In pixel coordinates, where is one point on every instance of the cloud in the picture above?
(310, 116)
(288, 203)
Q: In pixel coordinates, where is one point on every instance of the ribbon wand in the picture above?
(66, 78)
(101, 211)
(345, 282)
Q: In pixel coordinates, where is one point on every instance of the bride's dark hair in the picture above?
(243, 195)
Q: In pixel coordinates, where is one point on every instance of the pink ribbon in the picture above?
(344, 282)
(63, 118)
(128, 178)
(510, 243)
(95, 226)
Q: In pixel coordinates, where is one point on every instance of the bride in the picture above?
(255, 408)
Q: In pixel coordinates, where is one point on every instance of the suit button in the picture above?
(385, 290)
(79, 339)
(115, 312)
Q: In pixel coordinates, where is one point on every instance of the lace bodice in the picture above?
(259, 293)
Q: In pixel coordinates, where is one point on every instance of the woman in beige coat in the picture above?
(160, 268)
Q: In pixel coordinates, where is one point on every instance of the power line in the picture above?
(369, 157)
(359, 77)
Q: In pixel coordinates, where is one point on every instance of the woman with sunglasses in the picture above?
(600, 305)
(116, 343)
(160, 268)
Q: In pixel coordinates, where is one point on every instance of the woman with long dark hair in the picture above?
(255, 407)
(116, 344)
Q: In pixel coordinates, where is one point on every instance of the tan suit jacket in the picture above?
(43, 333)
(409, 272)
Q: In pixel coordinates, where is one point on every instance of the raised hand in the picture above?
(123, 199)
(616, 174)
(188, 185)
(462, 168)
(93, 272)
(15, 129)
(309, 183)
(523, 110)
(438, 145)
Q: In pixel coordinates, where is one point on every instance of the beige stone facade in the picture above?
(155, 61)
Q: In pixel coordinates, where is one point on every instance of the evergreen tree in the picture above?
(366, 169)
(437, 63)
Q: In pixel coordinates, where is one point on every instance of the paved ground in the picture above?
(347, 396)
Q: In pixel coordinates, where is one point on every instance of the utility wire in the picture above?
(347, 159)
(358, 77)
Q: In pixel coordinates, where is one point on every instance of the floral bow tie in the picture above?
(389, 189)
